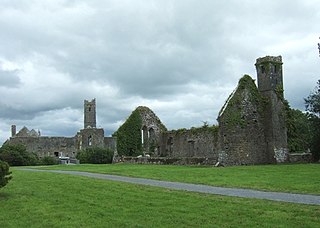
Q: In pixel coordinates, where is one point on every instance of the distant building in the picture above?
(65, 147)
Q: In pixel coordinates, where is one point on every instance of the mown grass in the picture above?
(35, 199)
(301, 178)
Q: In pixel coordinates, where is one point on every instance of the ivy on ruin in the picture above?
(129, 141)
(233, 113)
(129, 137)
(214, 129)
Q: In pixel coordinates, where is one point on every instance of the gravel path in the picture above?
(246, 193)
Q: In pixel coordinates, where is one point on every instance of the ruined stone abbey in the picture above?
(89, 136)
(251, 129)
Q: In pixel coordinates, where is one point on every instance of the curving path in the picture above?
(238, 192)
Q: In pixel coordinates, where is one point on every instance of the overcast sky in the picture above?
(181, 58)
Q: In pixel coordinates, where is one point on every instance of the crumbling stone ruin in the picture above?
(251, 126)
(141, 132)
(251, 130)
(89, 136)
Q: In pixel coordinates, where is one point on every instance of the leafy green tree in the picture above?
(17, 155)
(5, 174)
(95, 155)
(313, 101)
(313, 107)
(299, 131)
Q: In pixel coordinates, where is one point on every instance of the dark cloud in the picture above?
(181, 58)
(9, 78)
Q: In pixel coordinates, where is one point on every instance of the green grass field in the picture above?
(302, 178)
(34, 199)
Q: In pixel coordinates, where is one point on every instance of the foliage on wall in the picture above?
(198, 130)
(233, 111)
(129, 141)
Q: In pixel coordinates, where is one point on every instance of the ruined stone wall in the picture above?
(270, 85)
(168, 160)
(90, 137)
(275, 128)
(110, 143)
(300, 158)
(151, 129)
(140, 133)
(195, 142)
(62, 146)
(241, 129)
(48, 146)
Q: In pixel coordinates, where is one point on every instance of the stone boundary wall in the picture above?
(300, 158)
(293, 158)
(167, 160)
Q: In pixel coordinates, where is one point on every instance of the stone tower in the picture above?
(90, 114)
(13, 130)
(269, 71)
(270, 85)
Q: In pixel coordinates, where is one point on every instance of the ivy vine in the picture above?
(129, 136)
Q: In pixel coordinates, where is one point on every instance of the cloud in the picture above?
(9, 78)
(180, 58)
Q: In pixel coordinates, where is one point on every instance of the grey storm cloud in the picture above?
(181, 58)
(9, 78)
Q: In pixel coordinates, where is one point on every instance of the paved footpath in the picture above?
(238, 192)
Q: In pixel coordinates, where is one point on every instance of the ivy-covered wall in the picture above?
(129, 135)
(141, 123)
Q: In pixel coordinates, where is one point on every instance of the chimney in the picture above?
(13, 130)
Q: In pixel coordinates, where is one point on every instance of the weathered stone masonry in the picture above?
(89, 136)
(251, 126)
(251, 129)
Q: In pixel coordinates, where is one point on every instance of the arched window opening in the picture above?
(144, 135)
(152, 134)
(90, 140)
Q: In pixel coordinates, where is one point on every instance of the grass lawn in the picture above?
(301, 178)
(56, 200)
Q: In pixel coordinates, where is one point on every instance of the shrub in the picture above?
(49, 161)
(95, 155)
(5, 174)
(17, 155)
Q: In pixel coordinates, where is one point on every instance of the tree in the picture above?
(5, 174)
(313, 101)
(313, 107)
(17, 155)
(299, 131)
